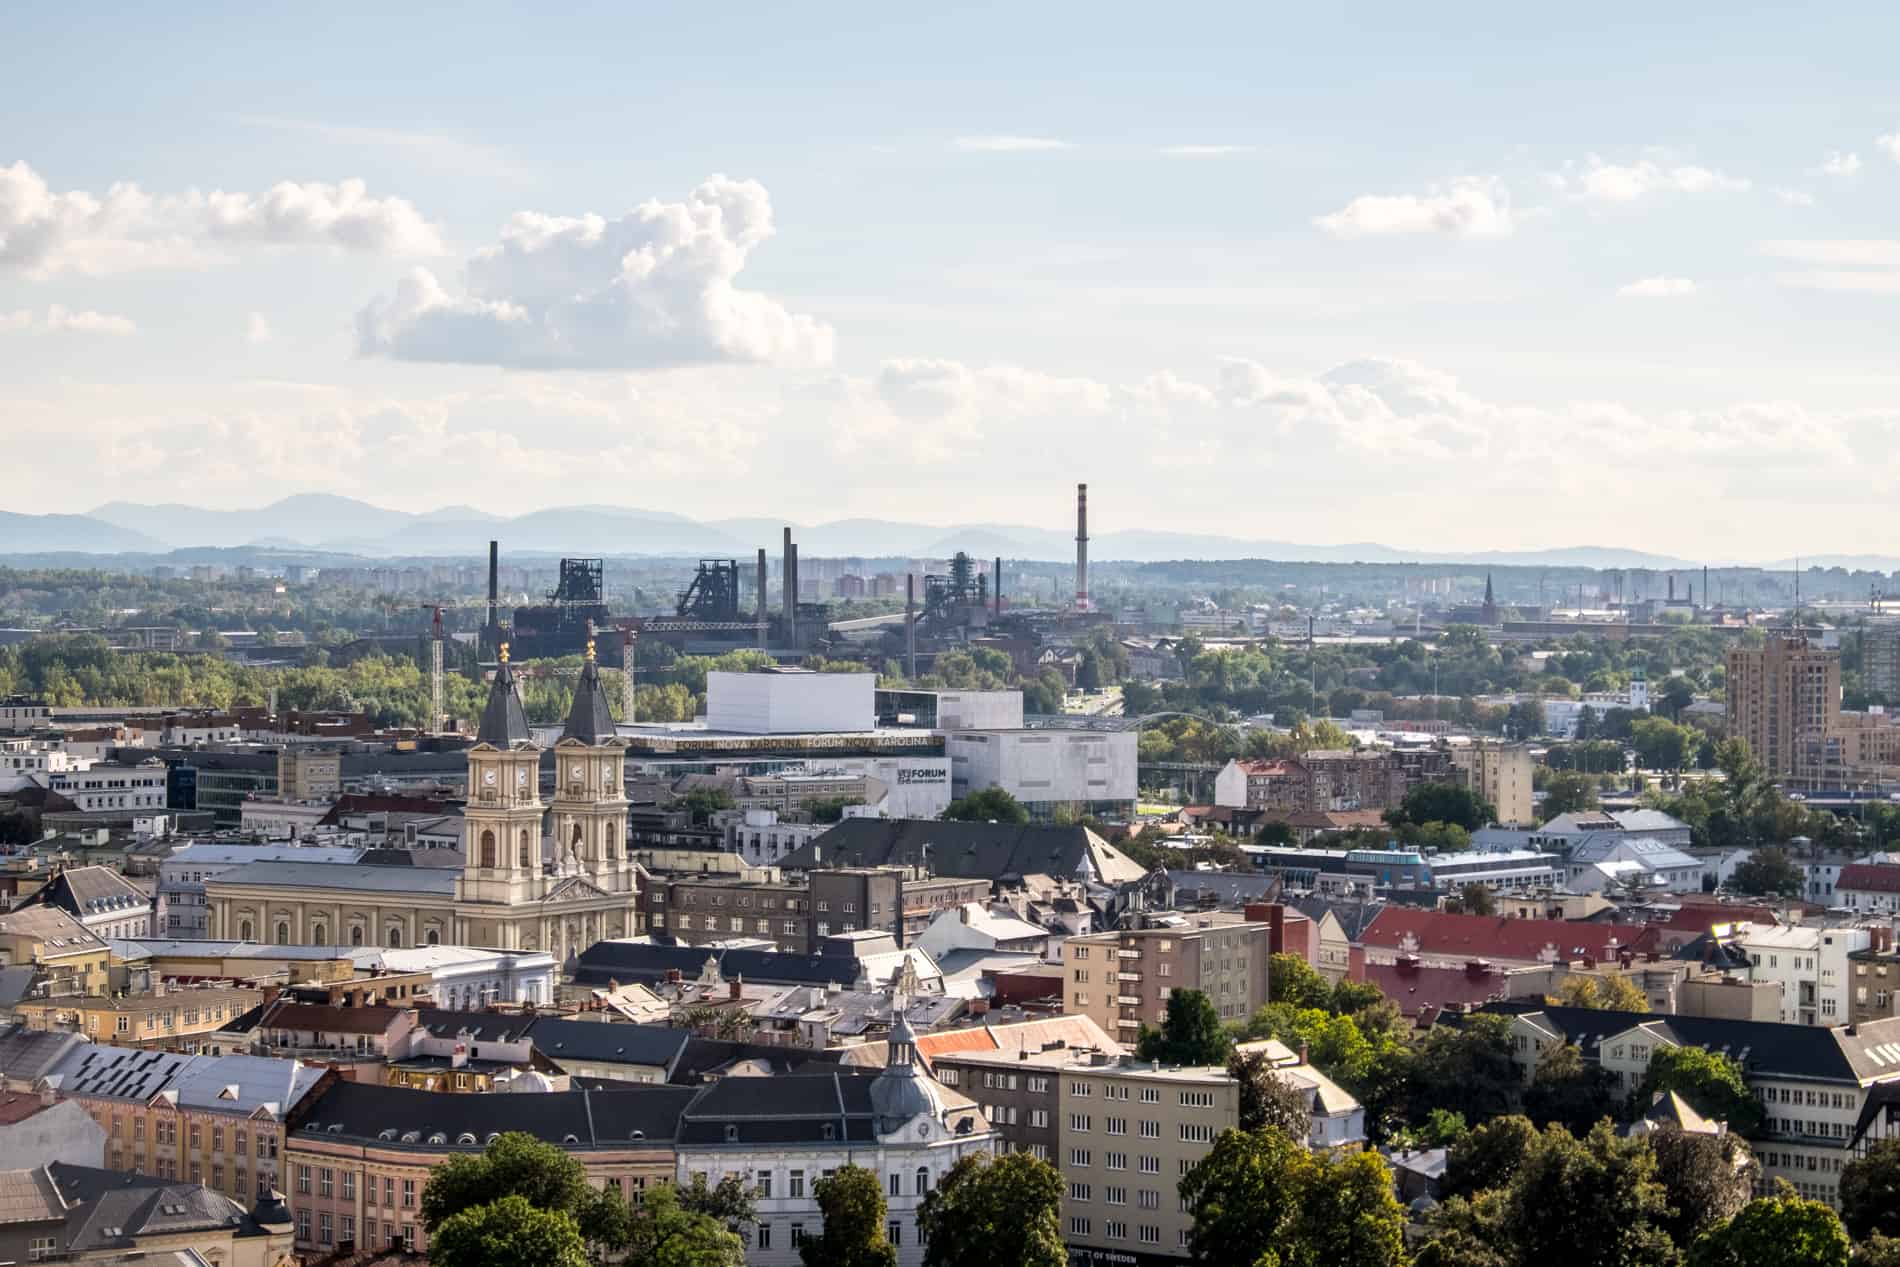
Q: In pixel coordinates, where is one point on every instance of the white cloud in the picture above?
(1599, 181)
(44, 233)
(58, 319)
(1008, 144)
(1468, 209)
(1658, 288)
(1838, 164)
(1890, 142)
(256, 329)
(1205, 151)
(652, 289)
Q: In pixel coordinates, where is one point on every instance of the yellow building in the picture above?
(521, 886)
(1501, 774)
(70, 959)
(172, 1019)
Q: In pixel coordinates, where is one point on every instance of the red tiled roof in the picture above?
(1498, 937)
(17, 1107)
(1415, 986)
(1869, 877)
(1698, 917)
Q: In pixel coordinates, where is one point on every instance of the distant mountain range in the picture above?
(330, 524)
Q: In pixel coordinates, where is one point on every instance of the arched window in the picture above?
(435, 937)
(283, 933)
(319, 935)
(395, 937)
(923, 1180)
(356, 935)
(488, 850)
(244, 930)
(525, 852)
(577, 838)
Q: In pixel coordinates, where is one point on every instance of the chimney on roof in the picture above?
(1477, 969)
(733, 987)
(673, 976)
(1303, 1051)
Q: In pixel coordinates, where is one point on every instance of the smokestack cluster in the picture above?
(1082, 547)
(996, 590)
(910, 625)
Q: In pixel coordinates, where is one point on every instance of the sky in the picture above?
(1495, 277)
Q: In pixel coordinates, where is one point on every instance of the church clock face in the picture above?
(521, 778)
(576, 772)
(488, 777)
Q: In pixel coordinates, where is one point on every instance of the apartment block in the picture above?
(1501, 774)
(1122, 980)
(1126, 1134)
(1784, 699)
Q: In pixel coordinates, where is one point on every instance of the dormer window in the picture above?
(732, 1134)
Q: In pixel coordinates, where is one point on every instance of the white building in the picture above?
(973, 926)
(791, 701)
(1093, 771)
(781, 1135)
(1608, 859)
(1810, 963)
(469, 978)
(113, 785)
(276, 819)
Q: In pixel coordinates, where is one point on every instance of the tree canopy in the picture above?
(1870, 1191)
(852, 1202)
(507, 1232)
(1710, 1081)
(1443, 803)
(988, 1211)
(1260, 1198)
(988, 805)
(1191, 1033)
(1783, 1229)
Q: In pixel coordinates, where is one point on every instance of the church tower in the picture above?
(501, 835)
(590, 802)
(1489, 612)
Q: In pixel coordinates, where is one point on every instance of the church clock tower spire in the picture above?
(501, 835)
(590, 805)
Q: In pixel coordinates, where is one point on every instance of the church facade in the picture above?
(534, 875)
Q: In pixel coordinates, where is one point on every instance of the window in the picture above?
(795, 1187)
(349, 1185)
(326, 1235)
(798, 1235)
(326, 1182)
(1079, 1192)
(895, 1183)
(1197, 1099)
(1039, 1117)
(41, 1247)
(1150, 1165)
(303, 1180)
(389, 1191)
(1148, 1199)
(1148, 1235)
(1197, 1132)
(1078, 1227)
(1151, 1095)
(1116, 1161)
(1150, 1130)
(1078, 1156)
(895, 1231)
(1115, 1230)
(348, 1228)
(1115, 1195)
(1078, 1121)
(1039, 1086)
(409, 1194)
(763, 1184)
(1081, 1090)
(303, 1225)
(1116, 1125)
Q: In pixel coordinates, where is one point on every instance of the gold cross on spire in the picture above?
(590, 648)
(504, 653)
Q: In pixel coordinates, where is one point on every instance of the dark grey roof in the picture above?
(16, 981)
(448, 1120)
(1353, 917)
(115, 1208)
(1762, 1048)
(84, 891)
(627, 962)
(504, 721)
(589, 720)
(26, 1054)
(800, 1108)
(481, 1027)
(609, 1042)
(985, 851)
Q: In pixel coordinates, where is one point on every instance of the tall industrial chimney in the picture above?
(789, 568)
(910, 625)
(494, 584)
(1082, 547)
(761, 596)
(996, 589)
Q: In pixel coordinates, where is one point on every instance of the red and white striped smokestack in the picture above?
(1082, 547)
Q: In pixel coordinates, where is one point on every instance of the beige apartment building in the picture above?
(1122, 980)
(1784, 699)
(167, 1018)
(1126, 1133)
(1501, 774)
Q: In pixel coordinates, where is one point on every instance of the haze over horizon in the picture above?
(1259, 275)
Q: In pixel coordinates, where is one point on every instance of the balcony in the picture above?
(1129, 976)
(1128, 1000)
(1128, 954)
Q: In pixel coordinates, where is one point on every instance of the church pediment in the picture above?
(573, 889)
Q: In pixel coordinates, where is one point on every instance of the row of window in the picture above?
(1116, 1230)
(327, 1186)
(1082, 1123)
(1115, 1194)
(1082, 1157)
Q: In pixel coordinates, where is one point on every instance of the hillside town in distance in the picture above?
(928, 909)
